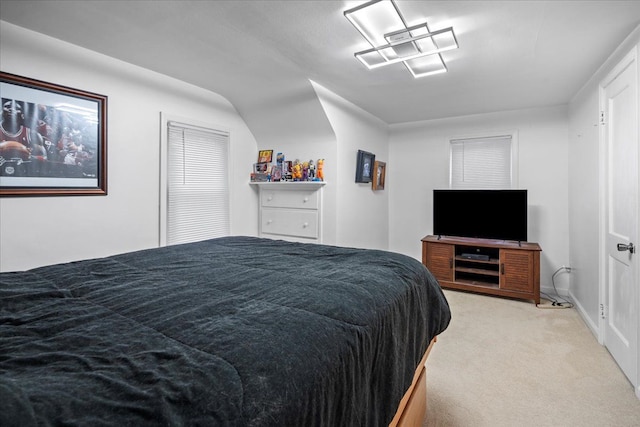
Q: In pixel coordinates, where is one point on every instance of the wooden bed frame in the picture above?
(413, 406)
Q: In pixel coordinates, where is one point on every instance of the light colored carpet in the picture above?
(504, 362)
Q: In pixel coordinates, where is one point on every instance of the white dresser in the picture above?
(291, 210)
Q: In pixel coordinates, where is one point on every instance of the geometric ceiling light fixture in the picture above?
(404, 46)
(383, 26)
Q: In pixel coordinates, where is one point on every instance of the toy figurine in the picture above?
(320, 171)
(288, 170)
(305, 171)
(297, 170)
(312, 171)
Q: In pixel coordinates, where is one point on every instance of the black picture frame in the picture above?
(53, 139)
(365, 166)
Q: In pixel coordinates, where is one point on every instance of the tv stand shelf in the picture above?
(494, 267)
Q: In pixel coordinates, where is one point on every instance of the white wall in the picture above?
(584, 164)
(419, 159)
(38, 231)
(362, 214)
(294, 123)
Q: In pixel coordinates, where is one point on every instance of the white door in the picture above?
(619, 102)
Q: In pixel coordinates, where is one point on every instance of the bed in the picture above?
(236, 331)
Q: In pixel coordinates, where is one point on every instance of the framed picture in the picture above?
(53, 139)
(379, 173)
(364, 166)
(261, 167)
(265, 156)
(276, 173)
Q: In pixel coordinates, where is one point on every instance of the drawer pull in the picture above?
(305, 225)
(270, 198)
(269, 221)
(305, 200)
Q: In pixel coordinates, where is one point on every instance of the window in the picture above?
(486, 162)
(197, 183)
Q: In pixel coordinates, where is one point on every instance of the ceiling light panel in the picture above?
(426, 66)
(374, 19)
(435, 41)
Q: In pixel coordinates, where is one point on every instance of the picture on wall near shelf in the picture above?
(265, 156)
(379, 174)
(53, 139)
(364, 166)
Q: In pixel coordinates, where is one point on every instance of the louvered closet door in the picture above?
(516, 269)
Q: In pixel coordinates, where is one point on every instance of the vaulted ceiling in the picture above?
(512, 55)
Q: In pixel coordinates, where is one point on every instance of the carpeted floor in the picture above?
(504, 362)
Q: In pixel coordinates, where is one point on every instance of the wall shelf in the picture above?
(290, 184)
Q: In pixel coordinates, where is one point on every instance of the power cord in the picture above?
(558, 301)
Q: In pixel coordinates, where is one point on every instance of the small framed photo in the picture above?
(276, 173)
(261, 167)
(53, 139)
(265, 156)
(364, 166)
(379, 173)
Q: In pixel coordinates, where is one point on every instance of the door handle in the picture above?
(622, 247)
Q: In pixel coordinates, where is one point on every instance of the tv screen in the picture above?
(487, 214)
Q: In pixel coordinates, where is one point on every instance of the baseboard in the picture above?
(595, 330)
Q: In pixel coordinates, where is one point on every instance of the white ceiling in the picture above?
(512, 55)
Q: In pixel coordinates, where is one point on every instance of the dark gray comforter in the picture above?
(233, 331)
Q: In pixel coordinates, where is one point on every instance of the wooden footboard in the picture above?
(413, 406)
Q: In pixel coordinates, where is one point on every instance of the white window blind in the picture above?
(481, 163)
(198, 183)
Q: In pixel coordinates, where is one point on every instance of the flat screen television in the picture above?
(487, 214)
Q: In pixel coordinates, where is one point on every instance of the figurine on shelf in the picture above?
(297, 170)
(305, 171)
(320, 171)
(287, 172)
(312, 171)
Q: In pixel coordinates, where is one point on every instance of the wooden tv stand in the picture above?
(494, 267)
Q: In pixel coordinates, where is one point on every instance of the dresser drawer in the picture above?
(300, 199)
(290, 222)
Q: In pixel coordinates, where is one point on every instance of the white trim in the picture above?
(602, 167)
(593, 327)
